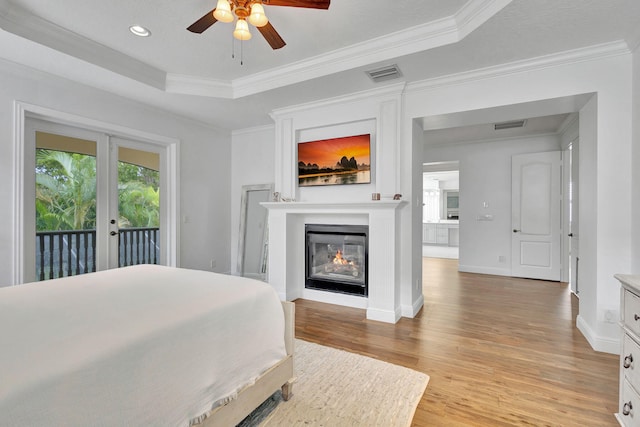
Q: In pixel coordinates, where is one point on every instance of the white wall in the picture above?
(605, 170)
(252, 154)
(635, 231)
(485, 176)
(609, 183)
(204, 159)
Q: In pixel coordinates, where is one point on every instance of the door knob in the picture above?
(113, 233)
(113, 221)
(515, 231)
(570, 234)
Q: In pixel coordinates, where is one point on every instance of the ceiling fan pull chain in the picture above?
(233, 47)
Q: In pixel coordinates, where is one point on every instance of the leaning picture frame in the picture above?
(335, 161)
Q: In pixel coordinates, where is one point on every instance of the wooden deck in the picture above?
(500, 351)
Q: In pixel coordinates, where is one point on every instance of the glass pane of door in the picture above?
(138, 207)
(65, 206)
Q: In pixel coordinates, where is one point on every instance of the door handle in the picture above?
(570, 234)
(113, 233)
(516, 231)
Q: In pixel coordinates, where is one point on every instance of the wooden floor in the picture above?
(499, 351)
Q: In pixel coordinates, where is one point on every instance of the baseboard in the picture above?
(412, 310)
(484, 270)
(603, 344)
(335, 298)
(387, 316)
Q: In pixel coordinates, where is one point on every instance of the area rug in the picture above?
(337, 388)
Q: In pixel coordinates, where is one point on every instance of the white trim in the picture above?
(441, 32)
(255, 129)
(591, 53)
(598, 343)
(484, 270)
(23, 23)
(335, 298)
(200, 86)
(380, 315)
(170, 145)
(19, 120)
(412, 310)
(391, 90)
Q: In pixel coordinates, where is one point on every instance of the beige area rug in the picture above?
(336, 388)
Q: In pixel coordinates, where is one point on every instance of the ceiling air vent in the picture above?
(509, 125)
(386, 73)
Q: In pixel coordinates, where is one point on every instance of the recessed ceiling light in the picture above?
(139, 30)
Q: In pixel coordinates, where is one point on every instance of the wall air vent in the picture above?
(509, 125)
(386, 73)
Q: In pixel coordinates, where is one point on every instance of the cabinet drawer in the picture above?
(630, 361)
(629, 401)
(632, 312)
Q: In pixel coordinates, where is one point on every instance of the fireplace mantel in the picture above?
(286, 251)
(334, 206)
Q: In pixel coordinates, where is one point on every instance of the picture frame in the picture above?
(335, 161)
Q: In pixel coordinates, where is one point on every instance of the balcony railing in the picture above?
(71, 252)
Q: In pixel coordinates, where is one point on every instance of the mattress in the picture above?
(141, 345)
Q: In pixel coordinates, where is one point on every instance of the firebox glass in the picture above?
(338, 257)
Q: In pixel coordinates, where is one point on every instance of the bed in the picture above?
(142, 345)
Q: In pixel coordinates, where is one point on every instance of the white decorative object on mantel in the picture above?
(287, 251)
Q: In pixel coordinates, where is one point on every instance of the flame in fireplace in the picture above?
(340, 260)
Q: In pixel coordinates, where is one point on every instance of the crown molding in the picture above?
(591, 53)
(427, 36)
(474, 142)
(253, 130)
(475, 13)
(20, 22)
(201, 86)
(393, 90)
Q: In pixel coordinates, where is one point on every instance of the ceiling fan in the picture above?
(251, 10)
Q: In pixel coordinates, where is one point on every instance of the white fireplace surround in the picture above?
(287, 252)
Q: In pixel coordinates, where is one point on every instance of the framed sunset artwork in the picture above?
(336, 161)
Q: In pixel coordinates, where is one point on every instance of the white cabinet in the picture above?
(629, 401)
(435, 233)
(429, 233)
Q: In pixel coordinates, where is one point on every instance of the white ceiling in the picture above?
(326, 54)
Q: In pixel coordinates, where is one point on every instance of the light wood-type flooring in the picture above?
(500, 351)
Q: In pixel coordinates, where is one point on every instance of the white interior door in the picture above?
(536, 215)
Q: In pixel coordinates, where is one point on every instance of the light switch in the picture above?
(484, 218)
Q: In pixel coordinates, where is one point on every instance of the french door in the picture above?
(91, 201)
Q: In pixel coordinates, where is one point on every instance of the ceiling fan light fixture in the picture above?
(258, 17)
(242, 30)
(223, 12)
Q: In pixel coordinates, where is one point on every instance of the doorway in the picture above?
(95, 222)
(441, 210)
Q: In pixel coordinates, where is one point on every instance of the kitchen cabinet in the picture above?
(437, 233)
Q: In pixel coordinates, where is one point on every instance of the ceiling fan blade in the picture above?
(271, 36)
(312, 4)
(203, 23)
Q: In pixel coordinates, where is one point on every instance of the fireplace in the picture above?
(336, 258)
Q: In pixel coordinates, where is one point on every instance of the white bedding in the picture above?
(137, 346)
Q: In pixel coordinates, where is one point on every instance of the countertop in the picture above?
(443, 221)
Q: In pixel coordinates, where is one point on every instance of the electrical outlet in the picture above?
(502, 258)
(213, 263)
